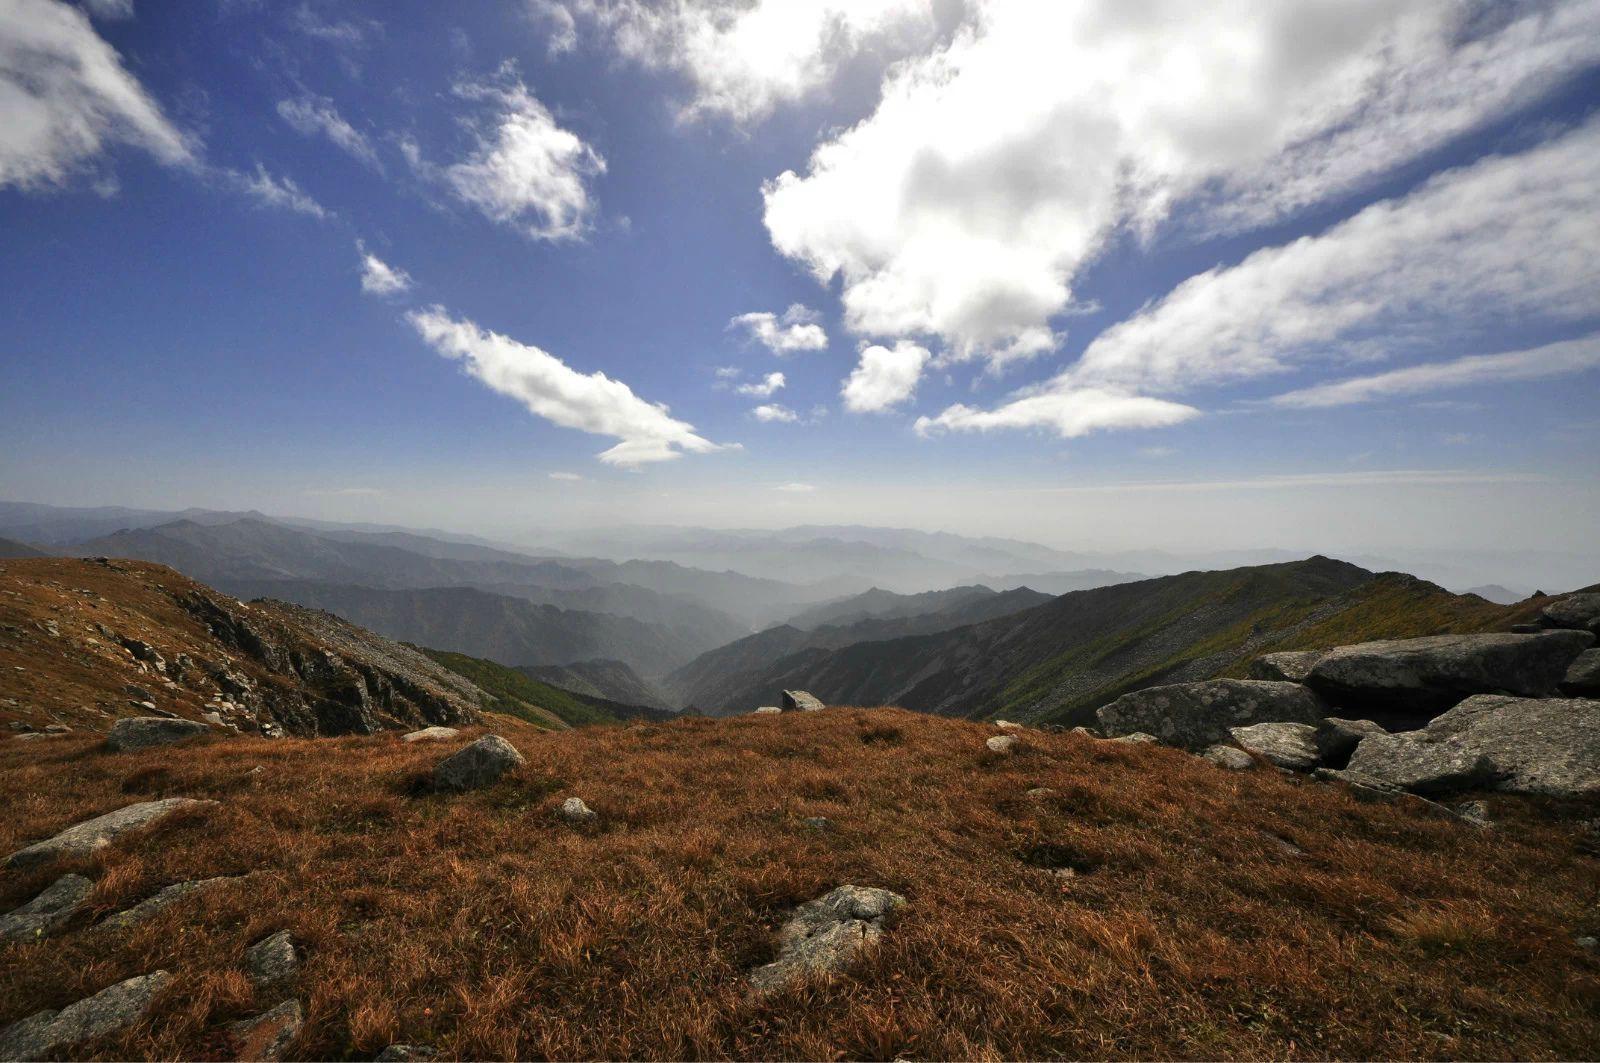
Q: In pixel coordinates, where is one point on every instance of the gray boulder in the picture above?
(272, 962)
(1287, 745)
(800, 701)
(1583, 677)
(169, 895)
(1336, 738)
(112, 1009)
(1138, 738)
(573, 810)
(478, 765)
(824, 935)
(1428, 675)
(1002, 744)
(1535, 746)
(1579, 611)
(768, 710)
(430, 734)
(1288, 666)
(1230, 757)
(1197, 715)
(268, 1035)
(142, 732)
(97, 833)
(48, 912)
(1418, 764)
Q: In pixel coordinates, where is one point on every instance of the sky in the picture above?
(1316, 274)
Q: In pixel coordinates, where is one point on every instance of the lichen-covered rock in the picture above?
(267, 1036)
(1414, 763)
(273, 961)
(1428, 675)
(800, 701)
(112, 1009)
(1002, 744)
(1229, 757)
(768, 710)
(142, 732)
(1534, 745)
(430, 734)
(48, 912)
(1196, 715)
(1138, 738)
(1337, 738)
(1287, 666)
(97, 833)
(824, 935)
(573, 810)
(1292, 746)
(169, 895)
(477, 765)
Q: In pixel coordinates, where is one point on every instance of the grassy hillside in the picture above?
(526, 698)
(1210, 915)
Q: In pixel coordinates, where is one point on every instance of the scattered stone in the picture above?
(477, 765)
(1041, 792)
(1282, 844)
(57, 729)
(1583, 677)
(1587, 943)
(800, 701)
(1287, 745)
(573, 810)
(97, 833)
(1428, 675)
(1003, 744)
(1087, 732)
(1336, 739)
(1579, 611)
(1196, 715)
(1289, 666)
(112, 1009)
(48, 912)
(1138, 738)
(272, 962)
(1406, 762)
(430, 734)
(1007, 725)
(267, 1036)
(1230, 757)
(403, 1054)
(818, 822)
(168, 895)
(142, 732)
(824, 935)
(768, 710)
(1536, 746)
(1474, 812)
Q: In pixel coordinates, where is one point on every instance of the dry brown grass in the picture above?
(483, 925)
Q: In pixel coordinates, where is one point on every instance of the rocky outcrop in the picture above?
(168, 896)
(1407, 762)
(1229, 757)
(1336, 738)
(800, 701)
(1536, 746)
(1423, 676)
(824, 935)
(478, 765)
(97, 833)
(48, 912)
(1576, 611)
(46, 1033)
(267, 1037)
(1289, 666)
(1292, 746)
(1583, 676)
(142, 732)
(1196, 715)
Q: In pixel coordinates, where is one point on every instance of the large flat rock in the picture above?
(142, 732)
(1196, 715)
(1428, 675)
(97, 833)
(1536, 746)
(1419, 764)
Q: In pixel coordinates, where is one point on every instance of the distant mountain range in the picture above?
(612, 680)
(1061, 660)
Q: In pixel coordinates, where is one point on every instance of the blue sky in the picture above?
(1316, 275)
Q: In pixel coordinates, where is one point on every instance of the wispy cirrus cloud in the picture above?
(311, 115)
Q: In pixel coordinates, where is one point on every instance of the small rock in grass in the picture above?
(151, 905)
(430, 734)
(1041, 791)
(47, 912)
(112, 1009)
(403, 1054)
(142, 732)
(267, 1036)
(817, 822)
(272, 961)
(824, 935)
(1475, 813)
(1138, 738)
(1007, 725)
(1002, 744)
(769, 710)
(477, 765)
(1229, 757)
(573, 810)
(1587, 943)
(95, 834)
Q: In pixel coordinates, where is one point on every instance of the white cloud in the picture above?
(795, 488)
(279, 192)
(65, 97)
(568, 477)
(380, 278)
(551, 389)
(341, 34)
(764, 390)
(884, 377)
(1067, 413)
(727, 372)
(797, 330)
(110, 10)
(526, 171)
(774, 413)
(1554, 359)
(744, 59)
(996, 167)
(310, 115)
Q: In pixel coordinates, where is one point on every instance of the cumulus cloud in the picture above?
(65, 97)
(768, 386)
(1068, 414)
(884, 377)
(525, 171)
(551, 389)
(312, 115)
(995, 167)
(279, 192)
(1537, 363)
(773, 413)
(743, 60)
(378, 277)
(796, 330)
